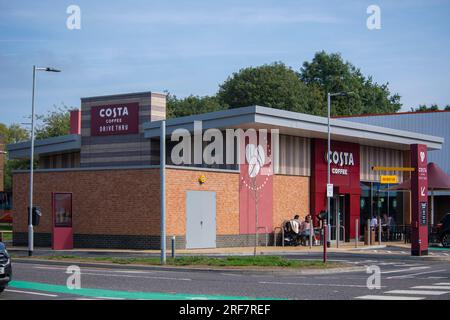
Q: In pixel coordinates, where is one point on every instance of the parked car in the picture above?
(5, 267)
(443, 231)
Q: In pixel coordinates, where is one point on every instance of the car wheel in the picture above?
(446, 240)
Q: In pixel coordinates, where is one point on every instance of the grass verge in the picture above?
(232, 261)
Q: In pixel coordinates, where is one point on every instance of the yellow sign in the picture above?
(389, 179)
(392, 169)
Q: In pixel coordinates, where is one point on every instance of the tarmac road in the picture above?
(402, 277)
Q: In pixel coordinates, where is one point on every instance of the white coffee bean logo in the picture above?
(256, 159)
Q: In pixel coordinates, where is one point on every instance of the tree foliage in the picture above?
(54, 123)
(191, 105)
(424, 107)
(272, 85)
(329, 73)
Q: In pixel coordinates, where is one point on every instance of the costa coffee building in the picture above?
(99, 186)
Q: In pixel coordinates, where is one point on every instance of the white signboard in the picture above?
(330, 190)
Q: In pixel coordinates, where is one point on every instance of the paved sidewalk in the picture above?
(346, 247)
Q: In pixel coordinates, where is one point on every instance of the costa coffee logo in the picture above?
(422, 156)
(115, 119)
(340, 158)
(257, 160)
(113, 112)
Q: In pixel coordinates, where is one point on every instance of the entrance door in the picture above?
(338, 216)
(62, 221)
(200, 219)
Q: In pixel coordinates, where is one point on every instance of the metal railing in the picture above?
(265, 230)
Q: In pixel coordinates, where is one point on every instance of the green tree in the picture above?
(329, 73)
(53, 124)
(424, 107)
(447, 107)
(12, 134)
(272, 85)
(191, 105)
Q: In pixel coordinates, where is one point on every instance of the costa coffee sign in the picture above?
(115, 119)
(340, 159)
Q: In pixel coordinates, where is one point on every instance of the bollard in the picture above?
(380, 229)
(173, 247)
(356, 232)
(311, 230)
(325, 243)
(369, 232)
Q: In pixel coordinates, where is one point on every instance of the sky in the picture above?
(191, 47)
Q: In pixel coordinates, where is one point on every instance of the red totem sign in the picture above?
(419, 200)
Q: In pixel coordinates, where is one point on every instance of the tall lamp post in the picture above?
(329, 95)
(30, 209)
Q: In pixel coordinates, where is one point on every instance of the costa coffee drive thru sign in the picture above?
(115, 119)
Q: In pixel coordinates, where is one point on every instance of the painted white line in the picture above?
(374, 297)
(442, 284)
(30, 292)
(316, 284)
(131, 276)
(412, 275)
(408, 265)
(438, 278)
(418, 292)
(405, 270)
(432, 287)
(110, 298)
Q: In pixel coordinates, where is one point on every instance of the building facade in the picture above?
(99, 186)
(436, 123)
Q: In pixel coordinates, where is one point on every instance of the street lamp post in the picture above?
(30, 209)
(329, 95)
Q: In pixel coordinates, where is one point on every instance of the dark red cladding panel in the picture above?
(115, 119)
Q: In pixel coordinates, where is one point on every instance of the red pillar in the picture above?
(75, 122)
(419, 200)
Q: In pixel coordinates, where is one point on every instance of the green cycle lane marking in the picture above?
(439, 248)
(89, 292)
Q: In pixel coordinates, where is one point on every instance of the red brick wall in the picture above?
(126, 202)
(226, 186)
(290, 197)
(117, 202)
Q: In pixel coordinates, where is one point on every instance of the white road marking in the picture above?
(375, 297)
(442, 284)
(438, 278)
(110, 298)
(131, 276)
(432, 287)
(408, 265)
(405, 270)
(418, 292)
(30, 292)
(412, 275)
(109, 273)
(316, 284)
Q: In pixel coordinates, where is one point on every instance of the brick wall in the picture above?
(226, 186)
(117, 202)
(290, 197)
